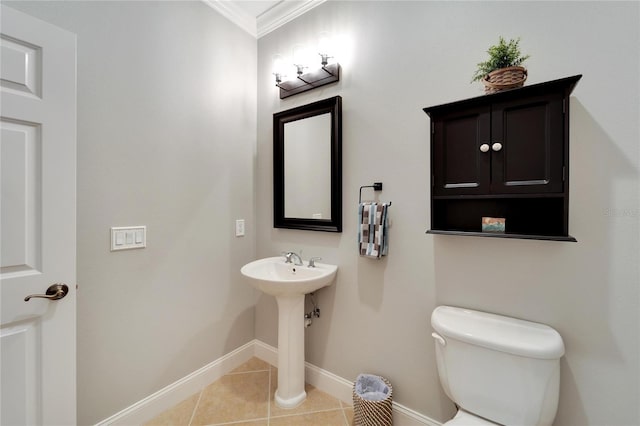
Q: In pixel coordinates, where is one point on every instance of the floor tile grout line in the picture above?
(235, 422)
(344, 404)
(246, 372)
(304, 413)
(344, 417)
(193, 413)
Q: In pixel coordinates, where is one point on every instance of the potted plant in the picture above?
(503, 69)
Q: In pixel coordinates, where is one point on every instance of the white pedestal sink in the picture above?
(289, 283)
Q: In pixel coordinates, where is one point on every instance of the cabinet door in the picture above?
(458, 165)
(529, 157)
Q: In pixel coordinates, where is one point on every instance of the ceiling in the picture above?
(260, 17)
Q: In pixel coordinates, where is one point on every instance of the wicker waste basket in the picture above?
(372, 401)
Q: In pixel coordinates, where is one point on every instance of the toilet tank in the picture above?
(504, 369)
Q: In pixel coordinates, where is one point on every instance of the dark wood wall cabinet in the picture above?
(504, 156)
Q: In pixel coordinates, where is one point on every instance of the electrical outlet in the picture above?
(240, 228)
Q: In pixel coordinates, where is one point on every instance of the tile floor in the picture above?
(245, 397)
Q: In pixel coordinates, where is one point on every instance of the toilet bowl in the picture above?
(463, 418)
(498, 370)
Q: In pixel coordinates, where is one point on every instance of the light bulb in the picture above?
(325, 47)
(324, 44)
(278, 64)
(278, 68)
(300, 58)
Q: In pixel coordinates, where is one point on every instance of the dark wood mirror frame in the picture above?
(333, 106)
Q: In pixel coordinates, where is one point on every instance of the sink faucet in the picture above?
(312, 261)
(290, 256)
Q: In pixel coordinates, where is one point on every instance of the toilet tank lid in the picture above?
(505, 334)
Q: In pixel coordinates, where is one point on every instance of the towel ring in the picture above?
(377, 186)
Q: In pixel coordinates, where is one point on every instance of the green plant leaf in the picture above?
(501, 55)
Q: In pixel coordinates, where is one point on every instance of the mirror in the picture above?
(307, 167)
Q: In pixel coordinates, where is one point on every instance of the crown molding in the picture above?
(282, 13)
(235, 14)
(277, 16)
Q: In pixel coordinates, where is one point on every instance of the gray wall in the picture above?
(401, 57)
(166, 138)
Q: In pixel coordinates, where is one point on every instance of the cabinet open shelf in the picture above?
(568, 238)
(525, 217)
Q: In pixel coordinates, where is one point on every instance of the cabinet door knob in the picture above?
(496, 146)
(484, 147)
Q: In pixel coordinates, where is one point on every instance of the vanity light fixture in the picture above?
(306, 78)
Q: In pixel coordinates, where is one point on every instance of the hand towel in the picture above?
(373, 239)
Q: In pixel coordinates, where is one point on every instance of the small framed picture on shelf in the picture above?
(493, 224)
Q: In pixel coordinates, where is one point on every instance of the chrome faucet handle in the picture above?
(287, 256)
(292, 257)
(312, 261)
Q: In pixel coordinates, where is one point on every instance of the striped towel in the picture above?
(373, 238)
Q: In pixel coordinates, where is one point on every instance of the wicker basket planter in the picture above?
(504, 79)
(373, 413)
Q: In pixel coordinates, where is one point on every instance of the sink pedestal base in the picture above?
(289, 283)
(290, 391)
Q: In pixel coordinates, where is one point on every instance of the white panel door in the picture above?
(37, 221)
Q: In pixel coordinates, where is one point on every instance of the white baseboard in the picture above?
(151, 406)
(336, 386)
(403, 416)
(265, 352)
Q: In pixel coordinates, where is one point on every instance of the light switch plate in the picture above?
(128, 237)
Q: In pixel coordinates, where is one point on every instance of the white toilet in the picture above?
(498, 370)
